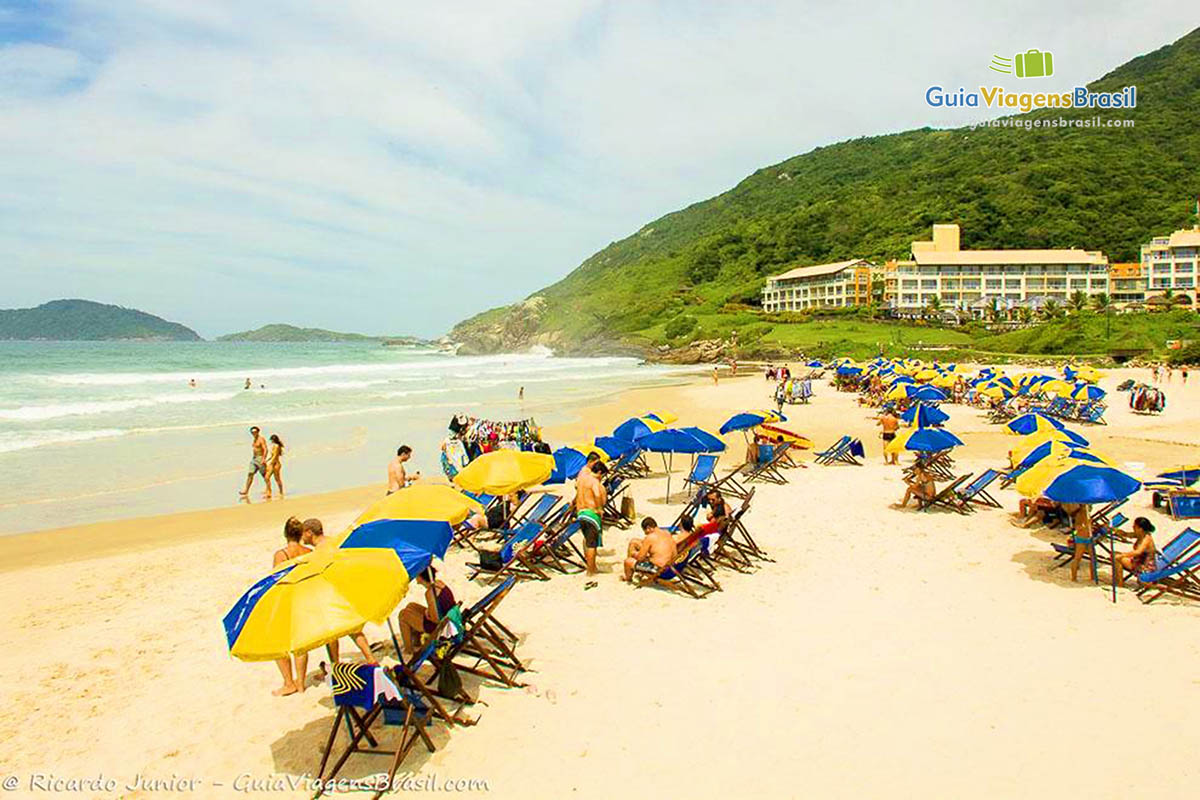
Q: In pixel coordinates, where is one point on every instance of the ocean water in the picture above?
(108, 430)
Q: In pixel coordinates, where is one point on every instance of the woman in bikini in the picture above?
(1081, 533)
(275, 464)
(293, 682)
(417, 620)
(1144, 556)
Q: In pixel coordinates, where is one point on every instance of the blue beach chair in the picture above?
(1176, 570)
(702, 471)
(976, 491)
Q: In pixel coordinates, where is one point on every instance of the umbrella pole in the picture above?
(1112, 546)
(395, 641)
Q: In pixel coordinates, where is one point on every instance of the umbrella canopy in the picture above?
(995, 389)
(848, 370)
(1026, 444)
(665, 417)
(614, 446)
(635, 428)
(505, 472)
(321, 596)
(1185, 475)
(1087, 391)
(923, 440)
(924, 416)
(1034, 423)
(415, 541)
(681, 440)
(1090, 483)
(915, 392)
(750, 419)
(814, 364)
(422, 501)
(714, 444)
(1060, 388)
(567, 463)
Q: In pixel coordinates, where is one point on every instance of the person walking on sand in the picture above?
(521, 393)
(293, 681)
(247, 386)
(258, 461)
(716, 376)
(1183, 374)
(590, 497)
(890, 424)
(397, 477)
(275, 465)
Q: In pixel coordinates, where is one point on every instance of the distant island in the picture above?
(280, 332)
(84, 320)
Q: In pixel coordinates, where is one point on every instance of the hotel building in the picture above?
(1169, 262)
(972, 281)
(845, 283)
(1126, 284)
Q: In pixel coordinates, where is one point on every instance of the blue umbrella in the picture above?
(1185, 475)
(567, 463)
(746, 420)
(1029, 423)
(928, 393)
(1091, 483)
(849, 370)
(677, 440)
(924, 415)
(814, 364)
(931, 440)
(715, 445)
(1042, 451)
(632, 429)
(416, 541)
(614, 446)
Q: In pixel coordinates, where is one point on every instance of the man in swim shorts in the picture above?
(654, 551)
(258, 460)
(590, 497)
(889, 422)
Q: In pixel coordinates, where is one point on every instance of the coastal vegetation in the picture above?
(290, 333)
(84, 320)
(697, 273)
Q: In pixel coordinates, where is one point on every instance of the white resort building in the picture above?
(1169, 262)
(845, 283)
(975, 281)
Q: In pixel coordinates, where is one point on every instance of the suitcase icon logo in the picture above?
(1032, 63)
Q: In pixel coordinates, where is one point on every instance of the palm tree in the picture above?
(1051, 310)
(1102, 302)
(934, 305)
(1025, 314)
(994, 310)
(1078, 301)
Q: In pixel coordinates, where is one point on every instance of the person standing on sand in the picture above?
(397, 477)
(258, 461)
(293, 682)
(590, 497)
(1154, 373)
(890, 424)
(716, 376)
(1081, 533)
(1170, 372)
(275, 465)
(1183, 374)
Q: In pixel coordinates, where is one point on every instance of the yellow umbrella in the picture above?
(1029, 441)
(316, 598)
(1060, 388)
(665, 417)
(927, 374)
(945, 381)
(588, 448)
(422, 501)
(505, 472)
(1088, 374)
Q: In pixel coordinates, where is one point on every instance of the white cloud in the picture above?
(391, 167)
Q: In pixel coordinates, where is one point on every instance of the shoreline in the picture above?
(72, 543)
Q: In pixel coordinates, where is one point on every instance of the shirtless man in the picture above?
(590, 497)
(890, 424)
(397, 477)
(258, 460)
(313, 535)
(657, 548)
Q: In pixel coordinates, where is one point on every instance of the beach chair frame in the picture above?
(948, 498)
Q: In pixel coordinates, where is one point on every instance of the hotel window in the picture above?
(1185, 266)
(1183, 283)
(908, 284)
(1162, 283)
(1012, 283)
(908, 299)
(996, 283)
(1161, 268)
(1078, 283)
(927, 284)
(1099, 283)
(1035, 283)
(970, 283)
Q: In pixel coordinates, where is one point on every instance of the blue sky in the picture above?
(390, 167)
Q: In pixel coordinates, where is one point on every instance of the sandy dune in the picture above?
(884, 653)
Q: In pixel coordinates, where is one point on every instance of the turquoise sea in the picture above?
(93, 431)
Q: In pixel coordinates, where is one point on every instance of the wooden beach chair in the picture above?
(359, 707)
(846, 450)
(407, 673)
(612, 513)
(684, 574)
(516, 557)
(767, 470)
(976, 491)
(486, 647)
(948, 497)
(736, 543)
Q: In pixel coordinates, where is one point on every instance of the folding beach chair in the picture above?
(683, 574)
(1175, 574)
(1010, 477)
(846, 450)
(557, 550)
(702, 472)
(829, 454)
(770, 462)
(612, 508)
(516, 556)
(1183, 505)
(1092, 412)
(948, 497)
(537, 512)
(486, 647)
(730, 486)
(736, 539)
(1100, 517)
(407, 674)
(362, 694)
(976, 491)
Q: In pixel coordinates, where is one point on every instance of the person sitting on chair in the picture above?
(417, 620)
(1144, 556)
(655, 550)
(718, 512)
(920, 485)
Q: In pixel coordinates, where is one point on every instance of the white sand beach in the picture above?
(882, 653)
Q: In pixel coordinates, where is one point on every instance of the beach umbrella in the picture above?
(915, 392)
(1034, 422)
(945, 381)
(923, 440)
(927, 374)
(321, 596)
(416, 541)
(423, 501)
(1060, 388)
(749, 419)
(505, 472)
(1184, 475)
(587, 448)
(924, 416)
(776, 433)
(567, 463)
(614, 446)
(1090, 483)
(670, 441)
(1087, 391)
(1034, 481)
(1088, 374)
(1026, 444)
(995, 389)
(665, 417)
(635, 428)
(814, 364)
(848, 370)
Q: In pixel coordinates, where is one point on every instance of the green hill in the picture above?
(291, 333)
(697, 273)
(83, 320)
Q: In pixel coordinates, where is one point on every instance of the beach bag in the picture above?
(490, 558)
(627, 508)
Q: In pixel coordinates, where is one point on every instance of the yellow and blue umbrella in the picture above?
(505, 472)
(614, 446)
(915, 392)
(1034, 422)
(1185, 476)
(429, 501)
(924, 416)
(923, 440)
(750, 419)
(1090, 483)
(995, 389)
(665, 417)
(1087, 391)
(635, 428)
(567, 463)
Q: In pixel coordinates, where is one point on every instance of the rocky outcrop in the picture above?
(503, 330)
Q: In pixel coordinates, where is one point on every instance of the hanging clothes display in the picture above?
(1147, 399)
(471, 437)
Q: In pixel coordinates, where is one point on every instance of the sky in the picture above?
(394, 167)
